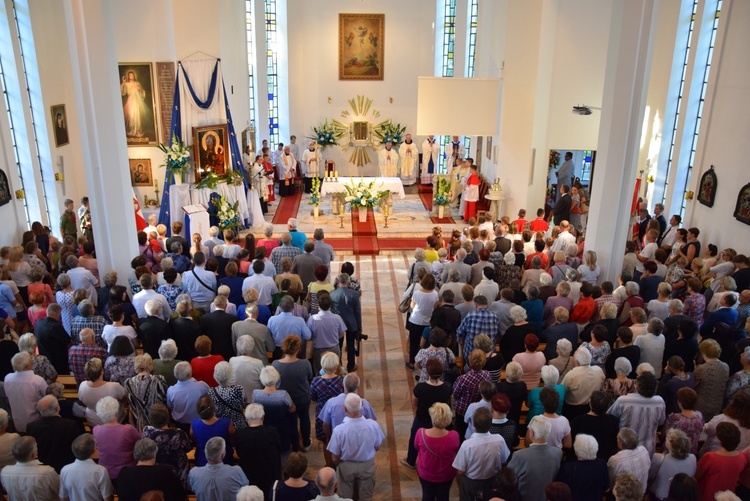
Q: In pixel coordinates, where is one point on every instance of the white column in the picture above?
(623, 105)
(93, 60)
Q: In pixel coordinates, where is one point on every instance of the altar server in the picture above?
(312, 158)
(430, 152)
(454, 153)
(388, 160)
(471, 192)
(259, 185)
(289, 167)
(268, 165)
(409, 155)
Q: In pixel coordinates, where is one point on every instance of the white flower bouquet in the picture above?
(363, 194)
(177, 156)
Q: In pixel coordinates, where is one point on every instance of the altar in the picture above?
(338, 185)
(181, 195)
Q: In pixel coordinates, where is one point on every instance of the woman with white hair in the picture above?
(674, 460)
(322, 389)
(546, 289)
(632, 300)
(164, 365)
(258, 449)
(580, 383)
(144, 390)
(563, 362)
(514, 389)
(277, 405)
(229, 399)
(571, 276)
(42, 367)
(420, 261)
(513, 341)
(551, 377)
(114, 441)
(250, 493)
(508, 271)
(268, 241)
(560, 299)
(6, 441)
(559, 267)
(587, 477)
(621, 384)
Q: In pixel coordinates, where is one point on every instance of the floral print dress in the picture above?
(174, 444)
(230, 403)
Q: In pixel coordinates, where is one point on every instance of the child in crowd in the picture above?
(521, 222)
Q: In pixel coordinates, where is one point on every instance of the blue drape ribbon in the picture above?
(204, 105)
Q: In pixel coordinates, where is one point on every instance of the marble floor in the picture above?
(387, 384)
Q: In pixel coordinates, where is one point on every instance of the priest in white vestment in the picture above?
(289, 167)
(458, 175)
(409, 156)
(454, 153)
(247, 162)
(256, 195)
(312, 159)
(388, 161)
(430, 152)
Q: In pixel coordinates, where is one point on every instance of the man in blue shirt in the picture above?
(726, 314)
(216, 480)
(333, 412)
(199, 283)
(285, 323)
(183, 396)
(352, 446)
(298, 238)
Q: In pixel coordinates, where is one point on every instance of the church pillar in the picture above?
(102, 132)
(623, 104)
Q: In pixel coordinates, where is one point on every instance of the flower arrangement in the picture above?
(233, 178)
(227, 213)
(554, 159)
(177, 156)
(326, 134)
(210, 180)
(388, 132)
(363, 194)
(442, 191)
(315, 192)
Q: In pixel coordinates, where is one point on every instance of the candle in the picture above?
(336, 174)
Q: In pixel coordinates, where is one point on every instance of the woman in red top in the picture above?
(720, 470)
(586, 306)
(203, 365)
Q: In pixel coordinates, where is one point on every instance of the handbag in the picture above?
(452, 372)
(405, 303)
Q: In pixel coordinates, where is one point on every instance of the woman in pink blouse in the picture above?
(532, 361)
(436, 449)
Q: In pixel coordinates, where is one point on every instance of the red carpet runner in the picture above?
(288, 207)
(365, 235)
(425, 195)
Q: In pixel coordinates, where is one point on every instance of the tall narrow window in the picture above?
(709, 53)
(38, 127)
(12, 131)
(471, 52)
(250, 33)
(449, 37)
(678, 103)
(272, 72)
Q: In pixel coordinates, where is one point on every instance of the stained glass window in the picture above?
(272, 72)
(471, 53)
(449, 37)
(250, 28)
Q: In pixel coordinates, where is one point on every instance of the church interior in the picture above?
(651, 97)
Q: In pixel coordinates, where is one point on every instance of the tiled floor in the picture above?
(387, 384)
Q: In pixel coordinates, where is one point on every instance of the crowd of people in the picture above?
(206, 358)
(534, 379)
(636, 388)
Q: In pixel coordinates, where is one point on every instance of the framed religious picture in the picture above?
(210, 151)
(138, 104)
(59, 124)
(361, 46)
(742, 208)
(140, 172)
(4, 189)
(707, 188)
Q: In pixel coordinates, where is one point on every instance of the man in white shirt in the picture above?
(644, 412)
(293, 146)
(265, 285)
(632, 458)
(487, 287)
(565, 173)
(83, 479)
(199, 283)
(648, 253)
(669, 237)
(147, 293)
(153, 220)
(564, 239)
(29, 479)
(480, 457)
(212, 241)
(81, 278)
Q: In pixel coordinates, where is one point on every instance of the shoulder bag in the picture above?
(452, 372)
(201, 281)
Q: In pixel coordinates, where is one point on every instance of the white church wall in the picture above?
(724, 131)
(313, 67)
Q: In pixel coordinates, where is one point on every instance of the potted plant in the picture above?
(442, 194)
(177, 157)
(315, 195)
(363, 196)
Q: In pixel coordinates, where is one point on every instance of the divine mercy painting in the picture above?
(137, 90)
(361, 46)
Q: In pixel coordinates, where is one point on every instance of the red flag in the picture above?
(140, 221)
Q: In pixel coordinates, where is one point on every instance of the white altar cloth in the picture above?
(392, 184)
(183, 194)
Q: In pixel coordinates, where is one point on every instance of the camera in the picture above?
(362, 337)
